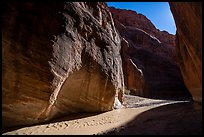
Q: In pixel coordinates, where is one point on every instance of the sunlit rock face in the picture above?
(137, 20)
(133, 75)
(58, 58)
(188, 19)
(149, 57)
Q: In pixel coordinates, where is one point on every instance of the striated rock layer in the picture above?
(188, 19)
(137, 20)
(148, 55)
(58, 58)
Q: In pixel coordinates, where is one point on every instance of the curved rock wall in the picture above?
(58, 58)
(153, 55)
(188, 19)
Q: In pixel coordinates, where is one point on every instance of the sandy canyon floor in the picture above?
(139, 116)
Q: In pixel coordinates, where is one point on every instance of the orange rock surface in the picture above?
(58, 58)
(188, 19)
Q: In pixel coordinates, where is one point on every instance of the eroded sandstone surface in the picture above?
(137, 20)
(58, 58)
(188, 19)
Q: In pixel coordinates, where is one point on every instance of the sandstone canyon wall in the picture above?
(58, 58)
(137, 20)
(188, 19)
(152, 52)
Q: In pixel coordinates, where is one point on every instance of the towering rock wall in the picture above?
(58, 58)
(137, 20)
(188, 19)
(152, 52)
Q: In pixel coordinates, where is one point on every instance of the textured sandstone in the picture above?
(134, 77)
(137, 20)
(153, 55)
(58, 58)
(188, 19)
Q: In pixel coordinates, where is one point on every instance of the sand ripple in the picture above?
(95, 124)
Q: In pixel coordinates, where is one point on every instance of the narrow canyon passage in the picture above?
(86, 68)
(149, 57)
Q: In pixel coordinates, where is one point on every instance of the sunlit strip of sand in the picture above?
(88, 125)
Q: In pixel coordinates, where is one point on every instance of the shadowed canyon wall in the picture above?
(58, 58)
(149, 57)
(188, 19)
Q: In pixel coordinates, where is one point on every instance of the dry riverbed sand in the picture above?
(138, 116)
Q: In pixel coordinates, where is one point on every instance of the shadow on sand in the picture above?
(172, 119)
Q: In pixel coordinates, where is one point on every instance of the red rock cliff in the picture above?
(188, 19)
(58, 58)
(137, 20)
(152, 52)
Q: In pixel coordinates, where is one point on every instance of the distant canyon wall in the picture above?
(149, 57)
